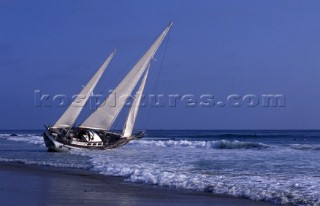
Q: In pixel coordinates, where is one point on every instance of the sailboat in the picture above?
(95, 132)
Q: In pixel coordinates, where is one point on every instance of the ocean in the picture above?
(281, 167)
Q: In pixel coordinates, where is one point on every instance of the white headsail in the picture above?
(105, 115)
(128, 127)
(71, 114)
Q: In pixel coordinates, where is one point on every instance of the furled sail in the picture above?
(105, 115)
(128, 127)
(71, 114)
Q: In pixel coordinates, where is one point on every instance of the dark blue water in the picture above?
(277, 166)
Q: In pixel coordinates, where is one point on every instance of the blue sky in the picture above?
(215, 47)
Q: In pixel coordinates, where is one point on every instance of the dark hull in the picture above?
(61, 140)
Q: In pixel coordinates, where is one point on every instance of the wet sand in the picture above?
(28, 185)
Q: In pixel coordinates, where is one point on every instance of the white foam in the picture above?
(203, 166)
(218, 144)
(28, 138)
(283, 174)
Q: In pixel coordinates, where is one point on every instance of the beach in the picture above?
(29, 185)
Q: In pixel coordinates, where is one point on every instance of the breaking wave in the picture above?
(28, 138)
(179, 169)
(218, 144)
(282, 173)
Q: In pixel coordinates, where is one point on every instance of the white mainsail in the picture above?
(105, 115)
(71, 114)
(128, 127)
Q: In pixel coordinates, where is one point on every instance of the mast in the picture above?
(128, 126)
(105, 115)
(68, 118)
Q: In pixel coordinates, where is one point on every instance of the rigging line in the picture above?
(162, 62)
(158, 77)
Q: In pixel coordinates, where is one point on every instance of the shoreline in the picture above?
(23, 184)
